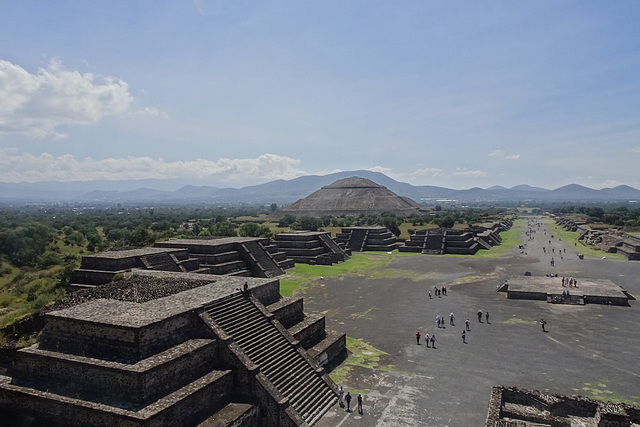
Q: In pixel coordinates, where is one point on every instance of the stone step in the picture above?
(275, 361)
(265, 357)
(309, 408)
(255, 347)
(297, 381)
(258, 334)
(314, 417)
(245, 324)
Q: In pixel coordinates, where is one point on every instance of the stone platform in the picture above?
(587, 291)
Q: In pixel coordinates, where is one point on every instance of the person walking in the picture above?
(426, 339)
(438, 321)
(341, 396)
(433, 341)
(451, 317)
(486, 315)
(543, 323)
(466, 323)
(348, 399)
(360, 403)
(479, 313)
(464, 336)
(418, 337)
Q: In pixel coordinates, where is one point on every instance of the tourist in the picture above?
(430, 295)
(486, 315)
(543, 323)
(433, 341)
(467, 323)
(360, 403)
(438, 321)
(426, 339)
(479, 316)
(464, 336)
(341, 396)
(348, 399)
(418, 337)
(451, 317)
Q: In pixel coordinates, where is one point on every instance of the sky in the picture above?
(233, 93)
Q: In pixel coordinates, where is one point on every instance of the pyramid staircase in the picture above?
(267, 344)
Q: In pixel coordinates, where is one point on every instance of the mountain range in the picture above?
(284, 192)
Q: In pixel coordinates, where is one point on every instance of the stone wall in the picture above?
(522, 407)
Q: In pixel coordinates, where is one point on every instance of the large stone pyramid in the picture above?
(352, 197)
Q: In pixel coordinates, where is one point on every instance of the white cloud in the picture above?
(502, 155)
(466, 173)
(610, 183)
(18, 167)
(38, 104)
(429, 172)
(635, 150)
(151, 112)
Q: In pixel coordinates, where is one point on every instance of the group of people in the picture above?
(347, 398)
(438, 291)
(430, 340)
(569, 282)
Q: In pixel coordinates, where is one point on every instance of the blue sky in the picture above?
(233, 93)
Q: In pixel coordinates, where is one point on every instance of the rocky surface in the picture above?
(136, 289)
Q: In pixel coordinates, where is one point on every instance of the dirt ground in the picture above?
(589, 350)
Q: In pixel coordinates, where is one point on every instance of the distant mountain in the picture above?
(285, 192)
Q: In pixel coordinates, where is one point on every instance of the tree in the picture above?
(225, 228)
(251, 229)
(23, 245)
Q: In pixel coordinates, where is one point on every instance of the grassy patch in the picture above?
(598, 391)
(310, 274)
(361, 355)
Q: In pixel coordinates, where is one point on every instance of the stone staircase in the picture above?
(279, 357)
(260, 259)
(357, 240)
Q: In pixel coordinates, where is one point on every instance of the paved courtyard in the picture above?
(590, 350)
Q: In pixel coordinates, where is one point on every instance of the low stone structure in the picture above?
(550, 289)
(175, 349)
(310, 247)
(360, 239)
(234, 256)
(515, 407)
(469, 241)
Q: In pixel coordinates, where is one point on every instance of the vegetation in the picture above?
(40, 246)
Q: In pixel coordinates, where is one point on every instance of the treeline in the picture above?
(619, 216)
(29, 235)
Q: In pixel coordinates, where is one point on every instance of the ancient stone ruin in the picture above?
(233, 256)
(514, 407)
(440, 241)
(352, 197)
(163, 348)
(360, 239)
(550, 289)
(310, 247)
(609, 240)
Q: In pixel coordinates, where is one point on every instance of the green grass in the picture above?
(598, 391)
(361, 355)
(304, 273)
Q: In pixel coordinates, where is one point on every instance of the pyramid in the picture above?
(352, 197)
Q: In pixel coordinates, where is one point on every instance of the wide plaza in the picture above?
(590, 350)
